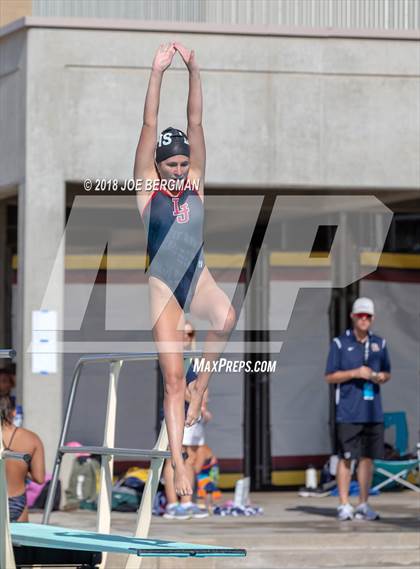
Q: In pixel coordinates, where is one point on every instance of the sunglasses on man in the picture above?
(363, 315)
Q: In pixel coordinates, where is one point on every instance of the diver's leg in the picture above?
(210, 303)
(168, 335)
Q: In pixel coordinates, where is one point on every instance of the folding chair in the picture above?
(393, 472)
(396, 471)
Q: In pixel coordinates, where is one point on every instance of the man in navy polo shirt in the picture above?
(358, 363)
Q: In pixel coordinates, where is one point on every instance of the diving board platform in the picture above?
(35, 545)
(41, 535)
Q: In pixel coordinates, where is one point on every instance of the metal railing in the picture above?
(107, 452)
(7, 354)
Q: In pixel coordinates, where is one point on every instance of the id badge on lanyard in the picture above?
(368, 392)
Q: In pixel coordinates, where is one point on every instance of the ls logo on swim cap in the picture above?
(165, 138)
(182, 213)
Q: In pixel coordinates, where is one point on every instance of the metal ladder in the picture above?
(157, 454)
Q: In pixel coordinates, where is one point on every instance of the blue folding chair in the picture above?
(391, 473)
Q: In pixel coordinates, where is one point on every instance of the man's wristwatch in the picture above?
(374, 375)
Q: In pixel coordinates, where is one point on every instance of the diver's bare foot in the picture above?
(194, 407)
(181, 481)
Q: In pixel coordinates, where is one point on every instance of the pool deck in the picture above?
(293, 533)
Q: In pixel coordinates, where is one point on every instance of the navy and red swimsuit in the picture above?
(174, 226)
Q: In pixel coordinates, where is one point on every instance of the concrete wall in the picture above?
(277, 110)
(398, 320)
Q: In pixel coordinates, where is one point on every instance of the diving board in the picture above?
(56, 537)
(44, 544)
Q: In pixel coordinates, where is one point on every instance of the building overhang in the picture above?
(205, 28)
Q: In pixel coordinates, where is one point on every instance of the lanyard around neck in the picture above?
(366, 350)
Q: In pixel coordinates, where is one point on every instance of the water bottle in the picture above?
(239, 489)
(241, 492)
(18, 420)
(311, 477)
(79, 486)
(333, 464)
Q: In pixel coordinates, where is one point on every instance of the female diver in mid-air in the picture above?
(179, 281)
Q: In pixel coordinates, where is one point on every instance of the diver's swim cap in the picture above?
(171, 143)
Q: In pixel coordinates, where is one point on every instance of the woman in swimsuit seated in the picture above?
(17, 439)
(179, 281)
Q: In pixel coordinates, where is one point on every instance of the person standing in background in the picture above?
(207, 470)
(358, 364)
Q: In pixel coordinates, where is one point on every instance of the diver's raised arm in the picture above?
(144, 160)
(195, 131)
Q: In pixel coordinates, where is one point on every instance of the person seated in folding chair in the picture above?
(21, 440)
(358, 363)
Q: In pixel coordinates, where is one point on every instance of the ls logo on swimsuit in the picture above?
(182, 213)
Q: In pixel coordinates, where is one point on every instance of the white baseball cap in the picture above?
(363, 306)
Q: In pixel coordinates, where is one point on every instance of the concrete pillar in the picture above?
(3, 272)
(40, 229)
(41, 222)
